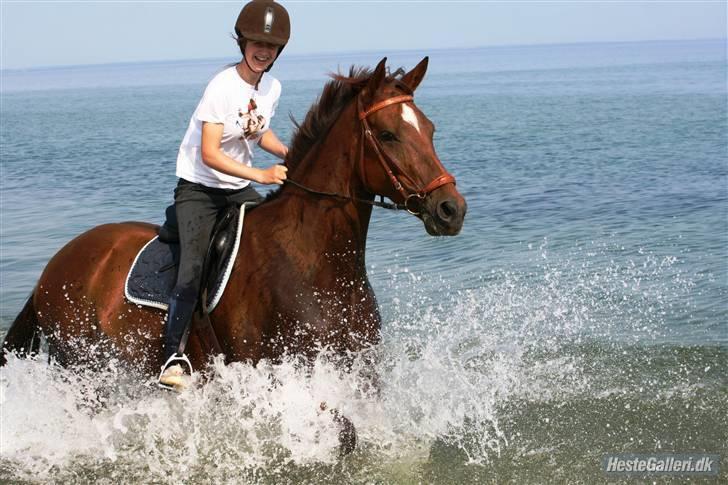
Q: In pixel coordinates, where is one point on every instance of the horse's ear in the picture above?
(377, 77)
(413, 78)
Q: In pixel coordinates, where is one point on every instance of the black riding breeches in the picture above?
(198, 208)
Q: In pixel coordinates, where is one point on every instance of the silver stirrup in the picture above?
(181, 359)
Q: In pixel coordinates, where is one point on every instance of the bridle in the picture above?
(389, 164)
(409, 192)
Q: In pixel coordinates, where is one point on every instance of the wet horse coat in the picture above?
(299, 282)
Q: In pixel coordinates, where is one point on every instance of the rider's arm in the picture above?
(213, 157)
(270, 143)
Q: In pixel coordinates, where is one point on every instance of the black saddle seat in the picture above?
(154, 274)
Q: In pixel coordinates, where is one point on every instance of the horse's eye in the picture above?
(387, 136)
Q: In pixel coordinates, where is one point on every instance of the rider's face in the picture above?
(260, 55)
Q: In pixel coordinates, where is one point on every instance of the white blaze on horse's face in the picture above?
(409, 115)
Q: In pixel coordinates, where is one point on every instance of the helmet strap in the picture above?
(280, 49)
(250, 68)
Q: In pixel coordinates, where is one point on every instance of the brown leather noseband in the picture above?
(390, 165)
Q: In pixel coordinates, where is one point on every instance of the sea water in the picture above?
(581, 311)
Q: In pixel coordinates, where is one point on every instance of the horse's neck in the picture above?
(338, 224)
(331, 165)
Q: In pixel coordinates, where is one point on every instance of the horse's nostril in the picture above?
(446, 210)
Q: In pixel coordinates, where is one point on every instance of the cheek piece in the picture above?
(411, 194)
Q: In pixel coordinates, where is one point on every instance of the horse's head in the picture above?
(399, 159)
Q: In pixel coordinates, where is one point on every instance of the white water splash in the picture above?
(246, 418)
(447, 367)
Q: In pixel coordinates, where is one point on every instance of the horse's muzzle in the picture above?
(443, 212)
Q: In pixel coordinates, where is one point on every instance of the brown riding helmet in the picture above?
(264, 21)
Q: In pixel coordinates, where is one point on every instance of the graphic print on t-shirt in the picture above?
(251, 122)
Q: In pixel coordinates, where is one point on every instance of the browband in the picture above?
(383, 104)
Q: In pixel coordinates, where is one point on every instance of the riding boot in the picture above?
(179, 318)
(176, 370)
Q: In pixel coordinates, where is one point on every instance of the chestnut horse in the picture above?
(299, 282)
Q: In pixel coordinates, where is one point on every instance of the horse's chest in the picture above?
(342, 319)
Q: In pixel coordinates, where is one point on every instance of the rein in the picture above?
(388, 164)
(380, 203)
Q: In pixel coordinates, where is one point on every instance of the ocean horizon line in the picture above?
(320, 55)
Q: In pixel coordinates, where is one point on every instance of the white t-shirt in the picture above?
(245, 114)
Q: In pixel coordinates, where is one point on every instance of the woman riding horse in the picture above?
(214, 163)
(299, 282)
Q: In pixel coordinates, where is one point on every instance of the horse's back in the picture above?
(107, 245)
(80, 294)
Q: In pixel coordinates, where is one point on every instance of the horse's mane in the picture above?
(336, 95)
(322, 114)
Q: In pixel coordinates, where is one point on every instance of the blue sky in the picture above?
(90, 32)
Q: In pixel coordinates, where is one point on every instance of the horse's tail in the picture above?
(23, 337)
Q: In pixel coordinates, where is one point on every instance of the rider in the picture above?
(214, 163)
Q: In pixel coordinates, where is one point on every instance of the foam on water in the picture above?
(461, 374)
(245, 421)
